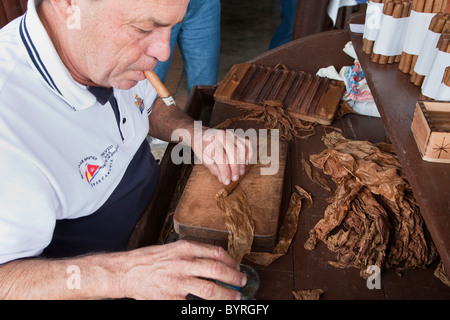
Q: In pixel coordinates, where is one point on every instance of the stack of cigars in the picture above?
(397, 10)
(438, 13)
(440, 24)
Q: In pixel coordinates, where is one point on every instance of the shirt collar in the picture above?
(45, 60)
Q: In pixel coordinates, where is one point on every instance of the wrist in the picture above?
(97, 276)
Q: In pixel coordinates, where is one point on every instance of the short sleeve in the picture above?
(28, 205)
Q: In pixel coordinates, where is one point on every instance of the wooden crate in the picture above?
(431, 130)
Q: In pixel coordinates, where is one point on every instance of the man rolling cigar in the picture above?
(77, 172)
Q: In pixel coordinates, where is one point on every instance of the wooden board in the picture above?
(197, 214)
(302, 95)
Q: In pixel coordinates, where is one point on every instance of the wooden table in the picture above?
(301, 269)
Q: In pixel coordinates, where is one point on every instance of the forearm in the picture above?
(163, 121)
(88, 277)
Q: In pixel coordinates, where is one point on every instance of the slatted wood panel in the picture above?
(302, 95)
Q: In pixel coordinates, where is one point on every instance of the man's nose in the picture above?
(159, 47)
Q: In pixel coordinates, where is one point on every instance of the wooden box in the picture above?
(431, 130)
(302, 95)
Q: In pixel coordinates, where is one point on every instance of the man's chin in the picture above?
(126, 84)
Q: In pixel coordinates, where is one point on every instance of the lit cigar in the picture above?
(160, 88)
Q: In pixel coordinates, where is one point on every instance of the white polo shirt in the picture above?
(61, 152)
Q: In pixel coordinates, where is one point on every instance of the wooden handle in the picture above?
(157, 84)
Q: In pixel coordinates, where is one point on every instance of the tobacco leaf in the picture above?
(287, 229)
(307, 294)
(372, 218)
(315, 175)
(441, 274)
(273, 116)
(239, 223)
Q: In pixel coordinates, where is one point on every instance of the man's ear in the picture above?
(64, 8)
(69, 11)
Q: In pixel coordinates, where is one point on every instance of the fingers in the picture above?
(226, 155)
(212, 264)
(205, 251)
(210, 290)
(176, 270)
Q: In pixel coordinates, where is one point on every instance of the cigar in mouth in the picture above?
(160, 88)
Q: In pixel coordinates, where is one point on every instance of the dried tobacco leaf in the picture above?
(315, 175)
(274, 117)
(287, 230)
(307, 294)
(441, 274)
(239, 223)
(373, 218)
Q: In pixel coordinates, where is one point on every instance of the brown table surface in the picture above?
(301, 269)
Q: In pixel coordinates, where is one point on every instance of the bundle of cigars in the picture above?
(414, 34)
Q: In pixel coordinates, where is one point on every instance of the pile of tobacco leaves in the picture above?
(372, 218)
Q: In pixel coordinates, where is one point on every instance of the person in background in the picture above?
(283, 34)
(198, 38)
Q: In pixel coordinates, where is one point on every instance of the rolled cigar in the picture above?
(418, 5)
(227, 190)
(437, 24)
(397, 13)
(438, 6)
(443, 42)
(446, 78)
(427, 8)
(159, 87)
(388, 9)
(406, 60)
(368, 44)
(405, 13)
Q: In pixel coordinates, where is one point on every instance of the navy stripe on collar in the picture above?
(35, 57)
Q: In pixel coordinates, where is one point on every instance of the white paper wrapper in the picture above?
(391, 36)
(433, 80)
(427, 53)
(443, 93)
(418, 24)
(374, 13)
(358, 94)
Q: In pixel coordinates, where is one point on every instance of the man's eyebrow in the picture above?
(163, 25)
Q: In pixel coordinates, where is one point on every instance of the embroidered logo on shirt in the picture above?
(96, 169)
(139, 103)
(91, 172)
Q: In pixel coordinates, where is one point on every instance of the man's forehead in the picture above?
(161, 13)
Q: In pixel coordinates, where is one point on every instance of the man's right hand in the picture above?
(175, 270)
